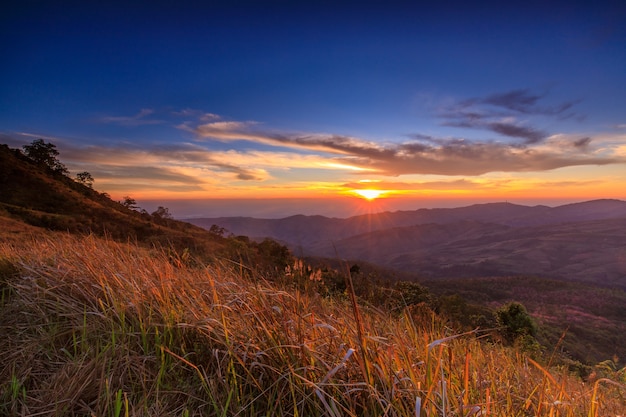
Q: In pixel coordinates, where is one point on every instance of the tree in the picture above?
(515, 322)
(130, 203)
(162, 213)
(44, 154)
(217, 230)
(85, 178)
(413, 293)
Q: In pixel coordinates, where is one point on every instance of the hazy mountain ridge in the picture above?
(581, 241)
(585, 251)
(500, 213)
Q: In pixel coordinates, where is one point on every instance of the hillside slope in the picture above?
(35, 199)
(39, 197)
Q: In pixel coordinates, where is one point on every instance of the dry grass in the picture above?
(93, 327)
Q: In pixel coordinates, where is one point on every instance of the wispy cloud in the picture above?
(501, 113)
(196, 114)
(138, 119)
(523, 101)
(181, 165)
(335, 144)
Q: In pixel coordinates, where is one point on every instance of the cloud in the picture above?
(518, 100)
(521, 101)
(460, 157)
(129, 162)
(529, 134)
(196, 114)
(336, 144)
(136, 120)
(582, 143)
(426, 154)
(207, 117)
(462, 184)
(500, 113)
(509, 129)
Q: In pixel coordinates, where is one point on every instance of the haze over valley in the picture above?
(580, 242)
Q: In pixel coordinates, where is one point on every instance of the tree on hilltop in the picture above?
(129, 203)
(45, 154)
(85, 178)
(162, 213)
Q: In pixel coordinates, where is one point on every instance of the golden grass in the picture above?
(93, 327)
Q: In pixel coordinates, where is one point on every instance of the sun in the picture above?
(369, 193)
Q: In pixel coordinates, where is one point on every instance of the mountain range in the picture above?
(582, 241)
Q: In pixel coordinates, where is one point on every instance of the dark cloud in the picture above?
(525, 102)
(499, 113)
(240, 173)
(529, 135)
(512, 130)
(582, 143)
(518, 100)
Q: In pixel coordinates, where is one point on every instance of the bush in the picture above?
(515, 322)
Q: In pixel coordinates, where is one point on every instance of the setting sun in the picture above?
(370, 194)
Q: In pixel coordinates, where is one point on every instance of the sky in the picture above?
(269, 109)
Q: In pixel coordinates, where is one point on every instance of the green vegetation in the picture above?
(586, 322)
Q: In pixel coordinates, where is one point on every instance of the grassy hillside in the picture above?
(40, 197)
(94, 327)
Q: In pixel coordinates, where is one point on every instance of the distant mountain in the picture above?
(307, 228)
(582, 241)
(583, 251)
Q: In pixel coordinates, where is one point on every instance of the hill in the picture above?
(34, 194)
(37, 198)
(583, 241)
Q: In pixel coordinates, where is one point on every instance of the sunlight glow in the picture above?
(369, 194)
(334, 165)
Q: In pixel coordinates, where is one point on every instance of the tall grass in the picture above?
(93, 327)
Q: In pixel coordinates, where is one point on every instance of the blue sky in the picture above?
(189, 101)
